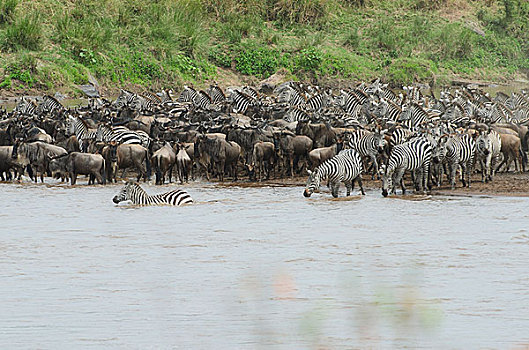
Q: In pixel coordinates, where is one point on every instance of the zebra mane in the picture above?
(136, 186)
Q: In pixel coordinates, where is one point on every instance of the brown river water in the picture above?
(261, 267)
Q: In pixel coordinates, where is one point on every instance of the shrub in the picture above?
(7, 11)
(25, 33)
(259, 61)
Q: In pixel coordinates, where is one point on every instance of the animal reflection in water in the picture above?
(133, 192)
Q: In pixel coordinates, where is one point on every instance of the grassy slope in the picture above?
(55, 44)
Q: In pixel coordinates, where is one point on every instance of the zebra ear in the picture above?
(309, 172)
(124, 182)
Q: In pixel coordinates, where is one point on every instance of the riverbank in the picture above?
(166, 44)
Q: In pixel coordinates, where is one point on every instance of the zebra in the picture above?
(488, 147)
(414, 116)
(296, 114)
(82, 132)
(241, 102)
(459, 150)
(134, 101)
(388, 110)
(344, 167)
(414, 155)
(368, 144)
(132, 191)
(25, 107)
(122, 135)
(49, 105)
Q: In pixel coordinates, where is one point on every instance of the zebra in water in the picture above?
(488, 147)
(344, 167)
(414, 155)
(132, 191)
(458, 150)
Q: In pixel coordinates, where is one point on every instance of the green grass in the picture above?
(56, 44)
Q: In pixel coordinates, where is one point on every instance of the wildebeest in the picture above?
(36, 155)
(126, 156)
(77, 163)
(321, 134)
(292, 148)
(264, 158)
(7, 163)
(511, 148)
(319, 155)
(219, 153)
(184, 164)
(163, 161)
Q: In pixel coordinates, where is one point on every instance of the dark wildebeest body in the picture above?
(184, 164)
(127, 156)
(163, 161)
(511, 148)
(219, 153)
(264, 158)
(36, 155)
(292, 149)
(7, 163)
(322, 135)
(77, 163)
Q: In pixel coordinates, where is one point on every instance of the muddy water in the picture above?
(250, 268)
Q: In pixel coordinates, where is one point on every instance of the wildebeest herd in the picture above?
(271, 132)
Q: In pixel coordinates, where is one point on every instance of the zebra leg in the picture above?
(348, 187)
(335, 186)
(483, 170)
(359, 179)
(453, 169)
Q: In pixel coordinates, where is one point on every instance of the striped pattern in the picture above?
(412, 156)
(459, 150)
(133, 192)
(344, 167)
(122, 135)
(78, 127)
(488, 147)
(368, 144)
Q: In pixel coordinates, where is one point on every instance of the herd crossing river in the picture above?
(252, 263)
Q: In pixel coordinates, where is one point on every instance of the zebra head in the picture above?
(484, 143)
(124, 194)
(313, 182)
(439, 152)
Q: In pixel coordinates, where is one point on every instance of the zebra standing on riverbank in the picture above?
(414, 156)
(133, 192)
(344, 167)
(459, 150)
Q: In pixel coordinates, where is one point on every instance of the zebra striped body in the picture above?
(122, 135)
(240, 101)
(415, 156)
(78, 127)
(368, 144)
(344, 167)
(133, 101)
(133, 192)
(49, 105)
(459, 150)
(488, 147)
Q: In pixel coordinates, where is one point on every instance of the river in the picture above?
(261, 267)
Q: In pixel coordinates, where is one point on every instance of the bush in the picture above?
(259, 61)
(409, 70)
(25, 33)
(299, 11)
(7, 11)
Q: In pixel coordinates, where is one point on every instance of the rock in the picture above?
(89, 90)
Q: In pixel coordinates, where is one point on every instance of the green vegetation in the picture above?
(56, 44)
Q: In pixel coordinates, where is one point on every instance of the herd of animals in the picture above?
(270, 131)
